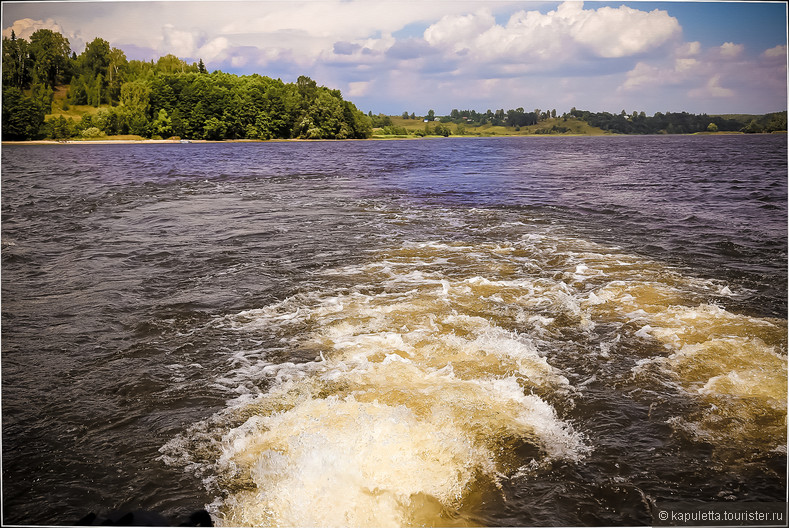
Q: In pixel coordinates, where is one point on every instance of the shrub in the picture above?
(92, 132)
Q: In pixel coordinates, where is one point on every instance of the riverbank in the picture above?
(142, 141)
(125, 140)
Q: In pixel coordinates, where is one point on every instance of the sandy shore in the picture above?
(167, 141)
(99, 142)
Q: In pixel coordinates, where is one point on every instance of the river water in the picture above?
(502, 331)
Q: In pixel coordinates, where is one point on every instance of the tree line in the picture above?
(621, 123)
(679, 122)
(511, 118)
(164, 98)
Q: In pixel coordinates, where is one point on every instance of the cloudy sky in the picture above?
(392, 56)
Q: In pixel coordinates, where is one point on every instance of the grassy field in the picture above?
(574, 126)
(60, 106)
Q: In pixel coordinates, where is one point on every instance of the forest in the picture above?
(169, 98)
(160, 99)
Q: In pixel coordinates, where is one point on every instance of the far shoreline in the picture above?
(125, 141)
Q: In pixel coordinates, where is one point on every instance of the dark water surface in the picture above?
(504, 331)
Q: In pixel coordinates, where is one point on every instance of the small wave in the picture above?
(735, 364)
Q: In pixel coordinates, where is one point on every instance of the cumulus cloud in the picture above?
(566, 34)
(712, 89)
(458, 32)
(238, 61)
(699, 71)
(193, 44)
(623, 31)
(354, 19)
(778, 52)
(717, 73)
(358, 89)
(688, 49)
(178, 42)
(25, 27)
(309, 30)
(455, 38)
(730, 50)
(215, 49)
(644, 75)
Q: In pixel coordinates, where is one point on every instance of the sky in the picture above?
(391, 56)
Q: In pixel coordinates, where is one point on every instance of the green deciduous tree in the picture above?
(136, 96)
(95, 91)
(170, 64)
(50, 53)
(162, 126)
(61, 128)
(775, 122)
(753, 127)
(78, 90)
(96, 58)
(22, 116)
(43, 95)
(16, 62)
(116, 72)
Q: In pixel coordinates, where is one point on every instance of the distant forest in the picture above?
(621, 123)
(101, 93)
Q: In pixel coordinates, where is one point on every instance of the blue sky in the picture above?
(392, 56)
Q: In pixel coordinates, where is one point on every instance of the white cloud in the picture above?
(688, 66)
(553, 39)
(310, 29)
(778, 52)
(215, 49)
(688, 49)
(718, 73)
(308, 33)
(178, 42)
(646, 76)
(358, 89)
(623, 31)
(238, 61)
(712, 89)
(685, 64)
(457, 32)
(730, 50)
(352, 19)
(25, 27)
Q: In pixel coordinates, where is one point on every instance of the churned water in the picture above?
(503, 331)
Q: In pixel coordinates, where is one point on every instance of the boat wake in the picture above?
(421, 379)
